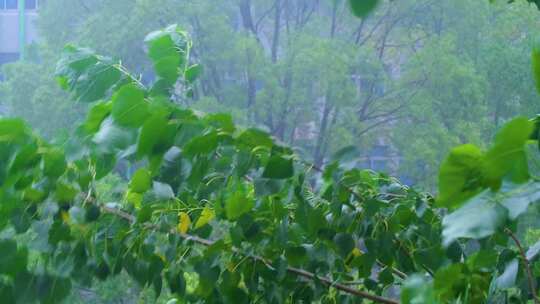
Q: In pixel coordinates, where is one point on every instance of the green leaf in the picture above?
(517, 198)
(255, 138)
(54, 163)
(346, 154)
(478, 218)
(507, 158)
(483, 260)
(96, 115)
(278, 167)
(344, 243)
(162, 191)
(65, 193)
(12, 130)
(508, 278)
(533, 251)
(12, 259)
(296, 255)
(362, 8)
(168, 49)
(26, 158)
(536, 66)
(177, 282)
(460, 176)
(385, 276)
(110, 138)
(193, 72)
(238, 203)
(156, 136)
(204, 144)
(92, 213)
(141, 181)
(221, 121)
(208, 276)
(129, 107)
(52, 289)
(89, 76)
(447, 280)
(207, 215)
(265, 186)
(417, 290)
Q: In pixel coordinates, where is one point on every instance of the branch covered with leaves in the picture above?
(242, 213)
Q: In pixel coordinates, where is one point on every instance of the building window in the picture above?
(11, 4)
(8, 57)
(30, 4)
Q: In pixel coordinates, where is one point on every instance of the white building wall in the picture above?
(9, 29)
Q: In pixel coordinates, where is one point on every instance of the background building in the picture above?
(17, 28)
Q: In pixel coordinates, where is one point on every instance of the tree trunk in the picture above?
(319, 154)
(247, 19)
(277, 25)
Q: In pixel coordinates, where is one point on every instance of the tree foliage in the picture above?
(312, 74)
(243, 212)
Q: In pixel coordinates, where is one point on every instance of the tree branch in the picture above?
(526, 264)
(296, 271)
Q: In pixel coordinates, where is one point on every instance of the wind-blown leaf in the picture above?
(533, 251)
(255, 138)
(162, 190)
(507, 158)
(204, 144)
(239, 202)
(12, 130)
(141, 181)
(96, 115)
(478, 218)
(89, 76)
(362, 8)
(417, 290)
(193, 72)
(517, 198)
(156, 136)
(278, 167)
(206, 216)
(129, 107)
(508, 278)
(346, 154)
(168, 49)
(110, 138)
(460, 176)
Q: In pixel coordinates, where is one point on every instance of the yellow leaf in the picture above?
(162, 257)
(207, 215)
(134, 198)
(184, 222)
(356, 252)
(65, 217)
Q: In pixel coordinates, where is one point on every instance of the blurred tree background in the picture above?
(310, 73)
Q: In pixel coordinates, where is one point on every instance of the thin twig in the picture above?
(526, 264)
